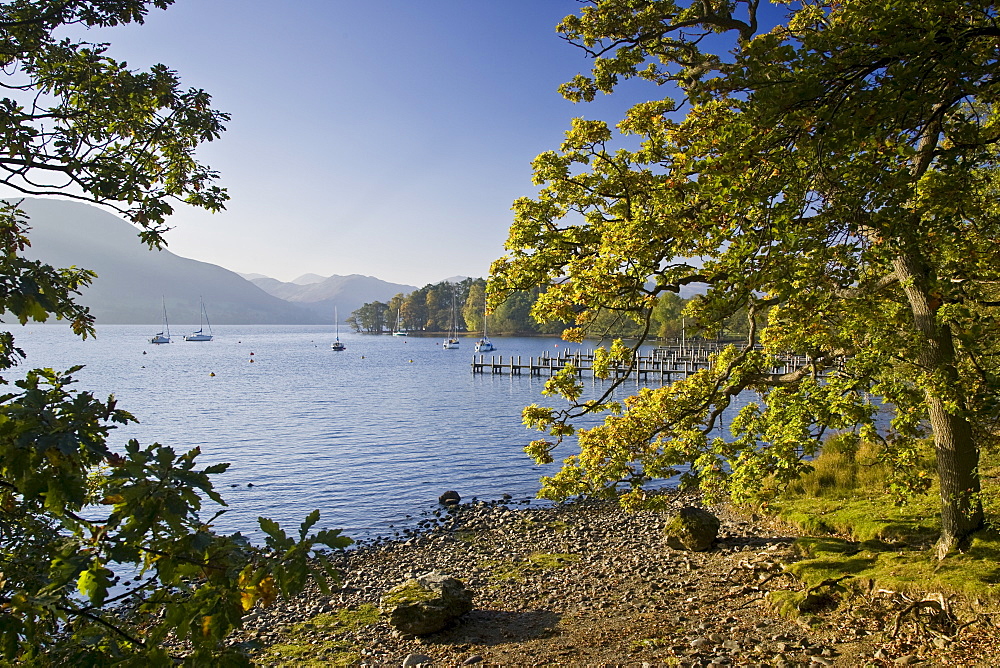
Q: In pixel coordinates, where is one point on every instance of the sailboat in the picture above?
(398, 331)
(337, 345)
(200, 335)
(484, 345)
(452, 340)
(163, 336)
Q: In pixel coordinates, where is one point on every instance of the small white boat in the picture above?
(337, 345)
(452, 341)
(200, 335)
(163, 336)
(484, 345)
(397, 330)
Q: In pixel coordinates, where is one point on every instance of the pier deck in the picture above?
(665, 363)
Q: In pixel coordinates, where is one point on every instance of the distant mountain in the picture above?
(132, 279)
(307, 279)
(347, 293)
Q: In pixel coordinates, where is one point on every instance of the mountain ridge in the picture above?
(133, 282)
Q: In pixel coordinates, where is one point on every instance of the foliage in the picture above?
(832, 182)
(512, 316)
(105, 555)
(429, 308)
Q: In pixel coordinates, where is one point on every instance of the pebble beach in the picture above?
(587, 584)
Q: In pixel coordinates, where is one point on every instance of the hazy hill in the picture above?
(132, 279)
(306, 279)
(320, 296)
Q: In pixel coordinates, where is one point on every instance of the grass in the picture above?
(855, 529)
(308, 643)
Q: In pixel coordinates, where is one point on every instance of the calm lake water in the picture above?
(370, 436)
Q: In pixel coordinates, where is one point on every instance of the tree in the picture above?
(836, 172)
(370, 318)
(104, 553)
(667, 316)
(472, 309)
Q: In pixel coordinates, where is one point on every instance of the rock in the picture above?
(450, 498)
(692, 529)
(417, 660)
(474, 659)
(426, 604)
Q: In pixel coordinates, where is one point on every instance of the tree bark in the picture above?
(957, 454)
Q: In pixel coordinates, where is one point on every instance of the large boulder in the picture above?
(692, 529)
(426, 604)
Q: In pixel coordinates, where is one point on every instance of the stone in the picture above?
(450, 498)
(426, 604)
(417, 660)
(692, 529)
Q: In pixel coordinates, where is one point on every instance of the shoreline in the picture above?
(585, 583)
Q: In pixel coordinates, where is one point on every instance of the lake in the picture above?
(370, 436)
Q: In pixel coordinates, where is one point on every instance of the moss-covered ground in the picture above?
(313, 642)
(860, 539)
(534, 563)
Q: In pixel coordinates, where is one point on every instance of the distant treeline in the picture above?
(432, 307)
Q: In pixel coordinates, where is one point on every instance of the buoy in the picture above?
(251, 352)
(212, 374)
(143, 352)
(249, 484)
(251, 360)
(411, 361)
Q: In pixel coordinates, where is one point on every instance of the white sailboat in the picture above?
(484, 345)
(337, 345)
(200, 335)
(163, 336)
(397, 330)
(452, 341)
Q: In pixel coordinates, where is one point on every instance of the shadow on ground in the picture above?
(497, 627)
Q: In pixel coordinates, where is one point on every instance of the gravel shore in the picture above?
(588, 584)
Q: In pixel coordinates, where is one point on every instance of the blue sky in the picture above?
(378, 137)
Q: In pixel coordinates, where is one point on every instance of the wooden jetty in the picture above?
(665, 363)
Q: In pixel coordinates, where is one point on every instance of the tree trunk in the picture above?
(958, 472)
(957, 454)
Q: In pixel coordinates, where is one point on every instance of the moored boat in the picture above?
(200, 334)
(163, 336)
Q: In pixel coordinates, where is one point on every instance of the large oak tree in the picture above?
(828, 167)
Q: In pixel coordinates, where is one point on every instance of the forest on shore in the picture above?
(441, 307)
